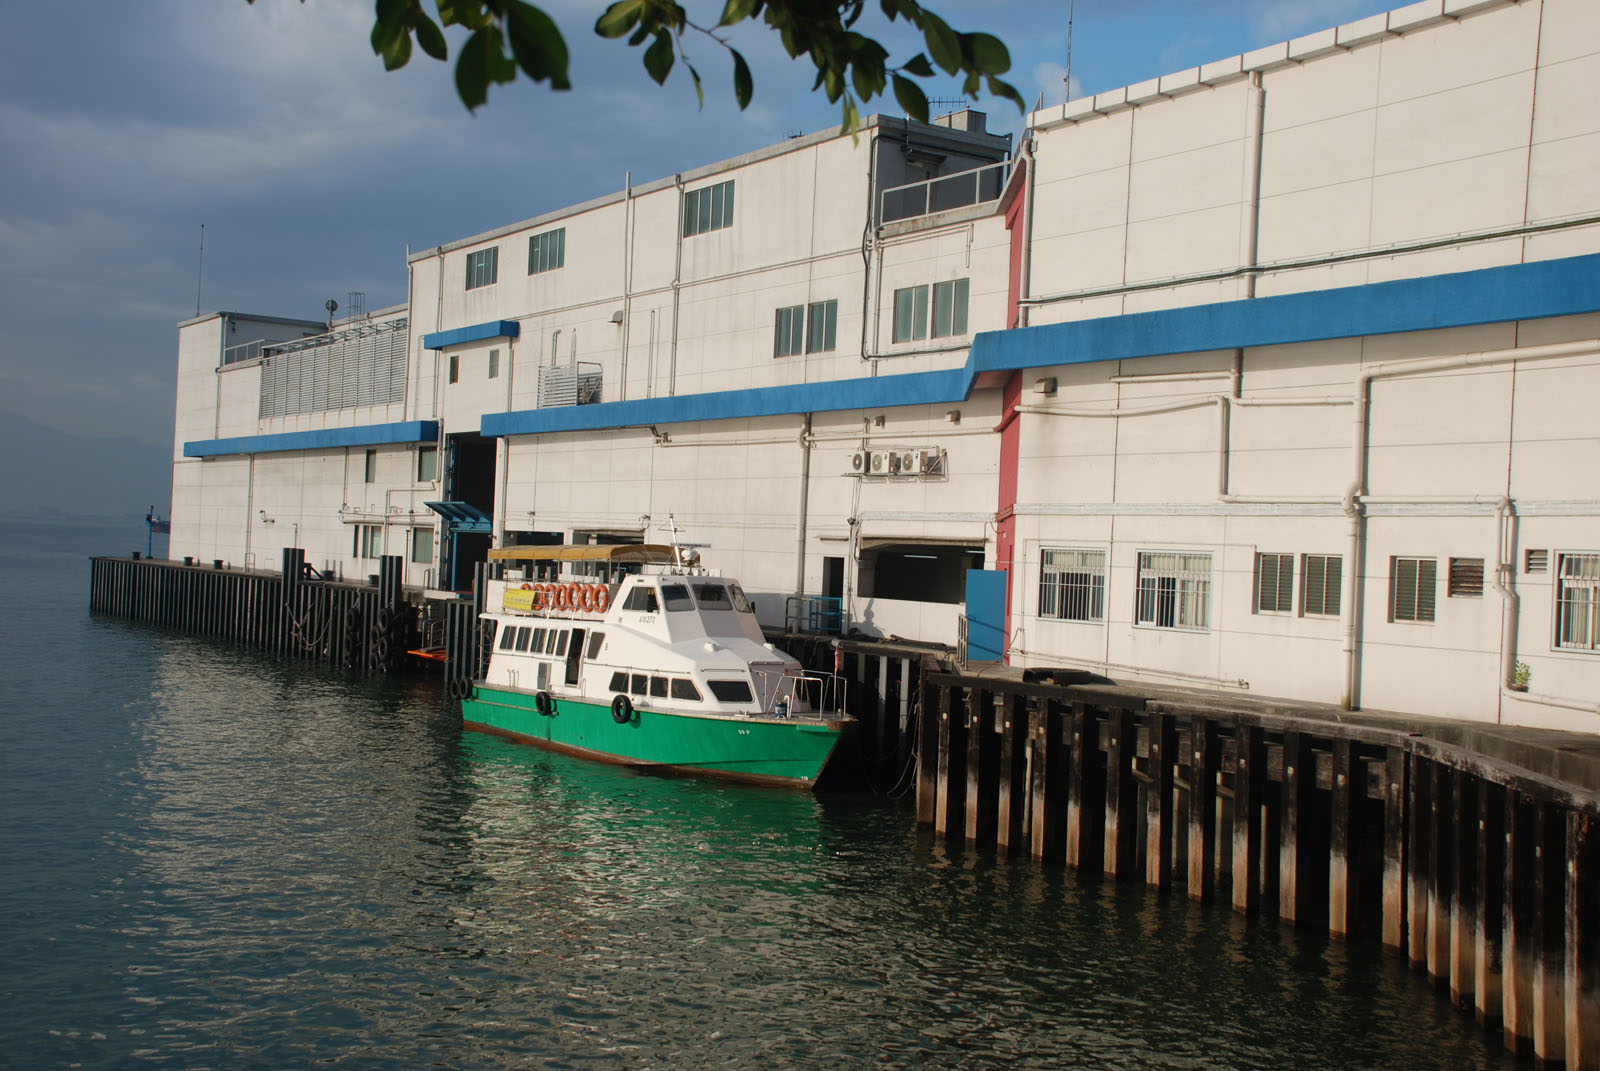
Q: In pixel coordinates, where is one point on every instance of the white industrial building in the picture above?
(1281, 373)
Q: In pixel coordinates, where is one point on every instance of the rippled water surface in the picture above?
(214, 859)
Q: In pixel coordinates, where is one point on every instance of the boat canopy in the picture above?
(638, 553)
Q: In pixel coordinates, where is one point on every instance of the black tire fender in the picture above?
(545, 704)
(622, 710)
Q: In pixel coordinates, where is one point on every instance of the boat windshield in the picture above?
(676, 597)
(740, 603)
(712, 597)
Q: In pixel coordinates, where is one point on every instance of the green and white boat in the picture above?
(665, 669)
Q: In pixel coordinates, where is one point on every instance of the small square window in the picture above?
(788, 331)
(455, 367)
(910, 314)
(422, 546)
(1466, 578)
(427, 464)
(371, 470)
(494, 364)
(1319, 593)
(822, 319)
(950, 308)
(482, 267)
(548, 251)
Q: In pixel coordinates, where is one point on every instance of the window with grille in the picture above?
(788, 331)
(1412, 588)
(1321, 575)
(821, 326)
(1466, 577)
(482, 267)
(950, 308)
(1578, 602)
(1274, 583)
(1072, 584)
(422, 546)
(1174, 590)
(710, 209)
(547, 251)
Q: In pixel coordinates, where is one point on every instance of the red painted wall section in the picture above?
(1018, 237)
(1010, 430)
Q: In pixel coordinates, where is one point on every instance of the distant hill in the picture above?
(53, 473)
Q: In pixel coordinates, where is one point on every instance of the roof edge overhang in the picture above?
(405, 431)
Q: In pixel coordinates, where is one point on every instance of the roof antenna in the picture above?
(201, 274)
(1066, 78)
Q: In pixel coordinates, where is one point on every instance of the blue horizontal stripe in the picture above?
(405, 431)
(456, 336)
(1545, 288)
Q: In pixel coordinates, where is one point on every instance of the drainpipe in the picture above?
(1024, 283)
(627, 279)
(1508, 602)
(677, 283)
(805, 496)
(869, 243)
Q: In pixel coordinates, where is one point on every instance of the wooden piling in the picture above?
(1163, 750)
(1204, 759)
(1010, 722)
(1339, 815)
(1122, 795)
(1394, 843)
(1299, 778)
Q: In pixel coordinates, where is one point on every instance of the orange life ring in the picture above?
(585, 597)
(525, 587)
(561, 597)
(547, 597)
(602, 598)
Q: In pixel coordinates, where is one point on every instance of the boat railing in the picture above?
(810, 693)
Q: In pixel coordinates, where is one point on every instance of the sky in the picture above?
(126, 126)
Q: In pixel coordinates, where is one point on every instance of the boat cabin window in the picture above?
(730, 691)
(712, 597)
(594, 643)
(639, 684)
(658, 687)
(561, 643)
(508, 639)
(619, 681)
(538, 640)
(544, 676)
(641, 599)
(550, 642)
(685, 689)
(676, 597)
(522, 638)
(740, 603)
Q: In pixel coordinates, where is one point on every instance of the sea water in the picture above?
(213, 858)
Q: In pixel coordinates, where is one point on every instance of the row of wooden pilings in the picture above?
(295, 613)
(1484, 874)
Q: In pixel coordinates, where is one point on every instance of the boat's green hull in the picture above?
(770, 750)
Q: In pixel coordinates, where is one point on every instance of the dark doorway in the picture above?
(469, 481)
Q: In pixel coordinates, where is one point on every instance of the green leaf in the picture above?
(852, 118)
(619, 18)
(988, 54)
(658, 57)
(398, 53)
(736, 11)
(1006, 91)
(743, 84)
(472, 70)
(911, 98)
(699, 90)
(431, 38)
(919, 66)
(537, 43)
(943, 42)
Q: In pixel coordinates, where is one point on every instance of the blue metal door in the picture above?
(986, 614)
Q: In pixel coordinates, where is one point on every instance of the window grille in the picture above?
(1536, 561)
(788, 331)
(709, 209)
(483, 266)
(1072, 585)
(1466, 577)
(1174, 590)
(1412, 584)
(1274, 583)
(1578, 602)
(1321, 576)
(547, 251)
(360, 365)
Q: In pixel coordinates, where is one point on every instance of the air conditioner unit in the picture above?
(878, 462)
(858, 463)
(931, 461)
(910, 463)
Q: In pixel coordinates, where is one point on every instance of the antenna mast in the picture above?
(1066, 79)
(201, 274)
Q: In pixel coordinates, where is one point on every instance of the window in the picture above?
(494, 364)
(712, 597)
(483, 267)
(1072, 585)
(1174, 590)
(619, 681)
(730, 691)
(1578, 602)
(710, 209)
(455, 367)
(1320, 578)
(595, 640)
(1466, 578)
(524, 634)
(658, 687)
(740, 603)
(641, 600)
(639, 684)
(910, 313)
(1536, 561)
(427, 464)
(508, 638)
(685, 689)
(367, 542)
(1274, 583)
(676, 597)
(950, 308)
(372, 466)
(422, 546)
(822, 321)
(1411, 588)
(547, 251)
(788, 330)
